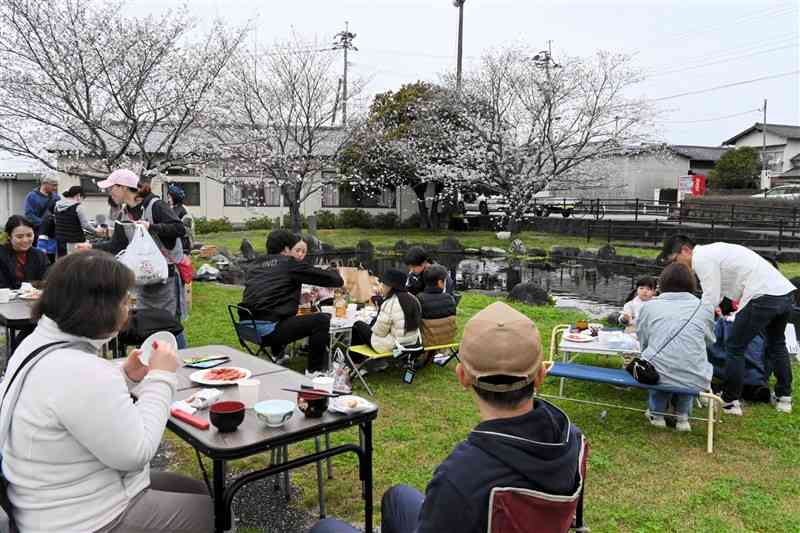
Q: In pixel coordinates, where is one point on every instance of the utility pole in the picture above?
(344, 41)
(460, 5)
(764, 148)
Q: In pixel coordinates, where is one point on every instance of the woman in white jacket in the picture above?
(76, 446)
(398, 319)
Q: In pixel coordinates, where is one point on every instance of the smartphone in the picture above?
(207, 364)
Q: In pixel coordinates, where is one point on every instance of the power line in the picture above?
(720, 61)
(715, 119)
(727, 85)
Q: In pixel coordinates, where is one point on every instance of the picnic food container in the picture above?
(312, 405)
(274, 413)
(581, 325)
(226, 416)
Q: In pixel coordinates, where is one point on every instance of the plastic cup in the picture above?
(248, 392)
(324, 383)
(5, 296)
(351, 310)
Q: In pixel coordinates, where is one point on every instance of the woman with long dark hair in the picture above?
(19, 260)
(398, 319)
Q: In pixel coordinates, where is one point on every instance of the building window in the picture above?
(191, 188)
(246, 192)
(90, 187)
(774, 160)
(343, 196)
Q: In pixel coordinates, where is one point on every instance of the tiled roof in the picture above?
(787, 131)
(699, 153)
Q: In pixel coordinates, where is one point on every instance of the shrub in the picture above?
(203, 225)
(411, 222)
(355, 218)
(263, 222)
(386, 221)
(326, 219)
(287, 221)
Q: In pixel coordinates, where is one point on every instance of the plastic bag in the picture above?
(144, 258)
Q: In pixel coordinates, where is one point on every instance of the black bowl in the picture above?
(312, 405)
(226, 416)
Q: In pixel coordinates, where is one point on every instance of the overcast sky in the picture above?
(686, 45)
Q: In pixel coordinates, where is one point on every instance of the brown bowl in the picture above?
(312, 405)
(226, 416)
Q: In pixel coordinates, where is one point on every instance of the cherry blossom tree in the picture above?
(101, 90)
(544, 123)
(276, 124)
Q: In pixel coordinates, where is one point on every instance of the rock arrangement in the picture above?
(529, 293)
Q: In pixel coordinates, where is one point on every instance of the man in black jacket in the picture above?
(418, 260)
(272, 293)
(521, 442)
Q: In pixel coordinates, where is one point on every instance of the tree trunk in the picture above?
(294, 211)
(434, 215)
(424, 218)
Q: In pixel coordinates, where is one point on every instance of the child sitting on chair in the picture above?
(645, 290)
(398, 319)
(438, 308)
(674, 330)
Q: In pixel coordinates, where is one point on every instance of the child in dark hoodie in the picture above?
(521, 442)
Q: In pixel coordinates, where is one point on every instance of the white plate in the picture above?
(147, 345)
(578, 337)
(342, 404)
(197, 377)
(31, 296)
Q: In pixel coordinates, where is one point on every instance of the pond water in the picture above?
(594, 287)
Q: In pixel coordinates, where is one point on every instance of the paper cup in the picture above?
(327, 309)
(323, 383)
(147, 346)
(5, 296)
(248, 392)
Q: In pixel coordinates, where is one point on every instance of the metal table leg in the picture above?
(366, 474)
(221, 517)
(320, 482)
(328, 447)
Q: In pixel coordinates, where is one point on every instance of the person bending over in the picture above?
(272, 294)
(521, 442)
(417, 260)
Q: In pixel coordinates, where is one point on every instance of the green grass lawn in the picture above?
(640, 479)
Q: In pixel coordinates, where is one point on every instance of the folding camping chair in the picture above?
(250, 330)
(513, 510)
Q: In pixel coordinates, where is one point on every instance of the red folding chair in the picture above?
(516, 510)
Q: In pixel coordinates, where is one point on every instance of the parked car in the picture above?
(545, 204)
(784, 192)
(482, 203)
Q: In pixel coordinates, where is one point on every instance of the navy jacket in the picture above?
(272, 291)
(415, 285)
(35, 268)
(436, 304)
(538, 450)
(36, 205)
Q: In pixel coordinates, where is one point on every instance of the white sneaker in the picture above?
(656, 420)
(732, 408)
(683, 425)
(782, 403)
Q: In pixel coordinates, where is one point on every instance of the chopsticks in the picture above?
(316, 392)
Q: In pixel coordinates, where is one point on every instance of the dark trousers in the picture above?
(361, 334)
(768, 314)
(400, 510)
(316, 327)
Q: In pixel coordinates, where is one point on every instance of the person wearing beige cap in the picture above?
(521, 442)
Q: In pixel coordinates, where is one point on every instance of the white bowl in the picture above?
(274, 413)
(147, 345)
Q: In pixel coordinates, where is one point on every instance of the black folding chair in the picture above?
(247, 331)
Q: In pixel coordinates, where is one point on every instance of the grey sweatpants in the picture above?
(172, 503)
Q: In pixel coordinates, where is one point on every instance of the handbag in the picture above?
(5, 503)
(643, 370)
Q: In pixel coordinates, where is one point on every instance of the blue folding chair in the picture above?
(250, 330)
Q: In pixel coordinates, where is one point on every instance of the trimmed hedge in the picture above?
(204, 225)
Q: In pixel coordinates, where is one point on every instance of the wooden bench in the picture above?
(620, 377)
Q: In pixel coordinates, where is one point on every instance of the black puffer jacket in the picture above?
(436, 304)
(272, 291)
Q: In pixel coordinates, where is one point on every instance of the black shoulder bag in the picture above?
(5, 503)
(643, 370)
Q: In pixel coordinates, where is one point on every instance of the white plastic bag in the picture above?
(144, 258)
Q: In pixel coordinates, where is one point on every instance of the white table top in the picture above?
(595, 346)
